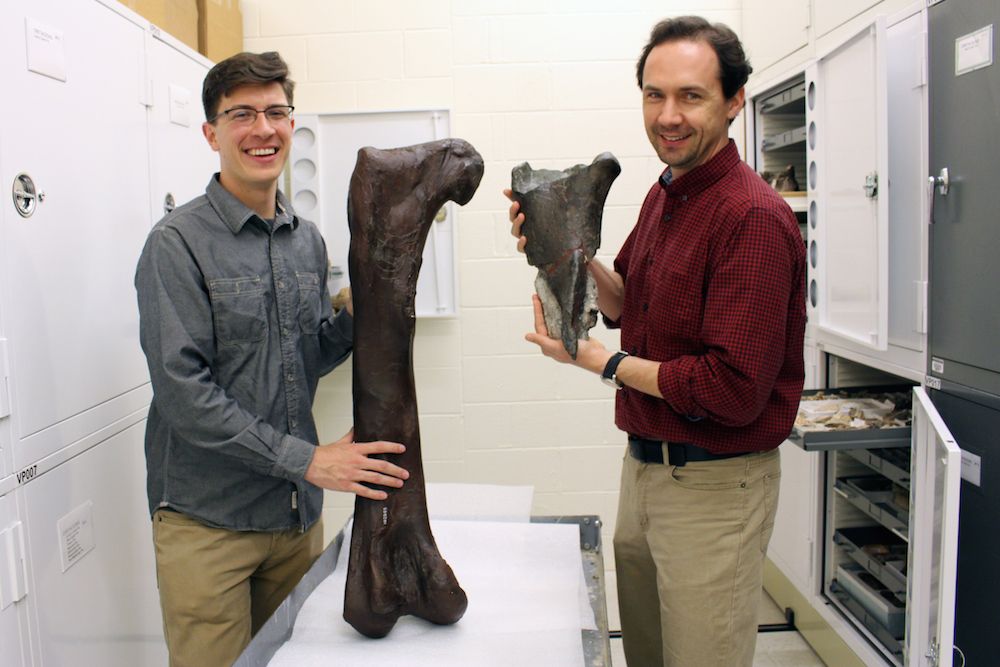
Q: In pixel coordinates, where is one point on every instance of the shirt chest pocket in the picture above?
(310, 306)
(679, 304)
(238, 309)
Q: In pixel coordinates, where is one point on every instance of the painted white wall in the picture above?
(551, 82)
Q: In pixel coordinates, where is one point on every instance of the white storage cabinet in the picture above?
(102, 120)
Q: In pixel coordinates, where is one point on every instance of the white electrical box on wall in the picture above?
(324, 153)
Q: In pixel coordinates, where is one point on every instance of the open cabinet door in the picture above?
(848, 174)
(933, 553)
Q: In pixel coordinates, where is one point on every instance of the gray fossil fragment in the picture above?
(562, 220)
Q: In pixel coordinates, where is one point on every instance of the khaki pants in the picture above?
(218, 587)
(689, 552)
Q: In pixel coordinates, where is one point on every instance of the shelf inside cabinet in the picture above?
(895, 645)
(883, 605)
(796, 200)
(784, 139)
(874, 495)
(879, 551)
(788, 101)
(891, 462)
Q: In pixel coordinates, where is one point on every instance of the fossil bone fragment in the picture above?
(395, 567)
(786, 181)
(562, 220)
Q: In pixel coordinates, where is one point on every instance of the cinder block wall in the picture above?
(551, 82)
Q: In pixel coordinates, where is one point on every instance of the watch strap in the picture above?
(611, 368)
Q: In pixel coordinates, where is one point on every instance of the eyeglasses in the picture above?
(244, 115)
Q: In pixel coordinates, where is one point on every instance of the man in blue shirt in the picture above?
(237, 327)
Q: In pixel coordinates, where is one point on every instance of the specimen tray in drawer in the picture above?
(877, 497)
(878, 550)
(856, 418)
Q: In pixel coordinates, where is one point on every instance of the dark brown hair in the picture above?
(242, 69)
(734, 68)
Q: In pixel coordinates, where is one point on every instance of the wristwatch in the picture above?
(610, 376)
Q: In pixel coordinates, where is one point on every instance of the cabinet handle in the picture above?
(942, 182)
(26, 196)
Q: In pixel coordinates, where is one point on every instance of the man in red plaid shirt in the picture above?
(709, 293)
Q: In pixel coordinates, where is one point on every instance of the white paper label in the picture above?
(974, 51)
(46, 49)
(971, 467)
(76, 534)
(937, 365)
(180, 105)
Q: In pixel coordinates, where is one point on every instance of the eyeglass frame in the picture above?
(257, 112)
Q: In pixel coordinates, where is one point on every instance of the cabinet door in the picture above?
(6, 460)
(847, 154)
(906, 60)
(14, 651)
(933, 553)
(964, 143)
(92, 567)
(180, 159)
(73, 122)
(793, 542)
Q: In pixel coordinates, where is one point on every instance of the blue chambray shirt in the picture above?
(237, 327)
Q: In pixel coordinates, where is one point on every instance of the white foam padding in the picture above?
(479, 502)
(524, 584)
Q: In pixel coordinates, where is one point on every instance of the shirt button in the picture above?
(645, 307)
(666, 217)
(285, 331)
(290, 377)
(684, 197)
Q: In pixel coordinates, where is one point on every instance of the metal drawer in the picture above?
(873, 495)
(879, 551)
(855, 439)
(880, 604)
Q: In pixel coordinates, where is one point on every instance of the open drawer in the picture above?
(856, 418)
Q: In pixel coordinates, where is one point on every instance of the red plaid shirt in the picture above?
(715, 289)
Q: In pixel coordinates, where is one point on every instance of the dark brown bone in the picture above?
(395, 567)
(562, 220)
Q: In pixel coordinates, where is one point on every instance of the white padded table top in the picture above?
(527, 605)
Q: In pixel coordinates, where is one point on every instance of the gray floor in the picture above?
(774, 649)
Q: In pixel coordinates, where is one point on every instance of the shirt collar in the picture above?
(235, 214)
(703, 175)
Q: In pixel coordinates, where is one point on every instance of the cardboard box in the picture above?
(177, 17)
(220, 28)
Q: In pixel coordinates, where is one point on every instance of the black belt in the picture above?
(678, 453)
